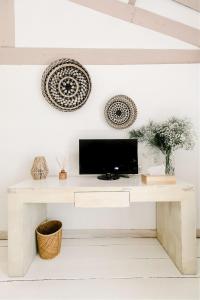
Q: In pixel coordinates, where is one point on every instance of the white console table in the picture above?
(176, 213)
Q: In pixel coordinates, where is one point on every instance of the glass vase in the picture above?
(169, 163)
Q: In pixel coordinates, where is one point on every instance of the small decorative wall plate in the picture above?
(120, 112)
(66, 84)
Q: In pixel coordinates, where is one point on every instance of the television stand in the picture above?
(108, 176)
(176, 212)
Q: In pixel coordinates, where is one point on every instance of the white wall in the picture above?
(30, 126)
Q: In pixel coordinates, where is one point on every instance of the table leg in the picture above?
(22, 221)
(176, 231)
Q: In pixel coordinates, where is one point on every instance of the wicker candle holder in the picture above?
(63, 175)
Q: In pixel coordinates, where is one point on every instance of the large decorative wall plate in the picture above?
(66, 84)
(120, 112)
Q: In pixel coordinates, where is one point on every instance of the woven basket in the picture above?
(49, 237)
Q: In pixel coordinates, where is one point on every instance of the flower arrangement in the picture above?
(167, 136)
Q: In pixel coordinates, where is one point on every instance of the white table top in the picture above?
(84, 181)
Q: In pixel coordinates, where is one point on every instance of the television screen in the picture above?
(116, 156)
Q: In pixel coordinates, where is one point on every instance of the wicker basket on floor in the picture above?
(49, 237)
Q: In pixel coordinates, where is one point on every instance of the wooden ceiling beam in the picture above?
(44, 56)
(194, 4)
(7, 23)
(145, 18)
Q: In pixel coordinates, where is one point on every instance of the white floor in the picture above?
(102, 268)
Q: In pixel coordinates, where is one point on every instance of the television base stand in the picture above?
(111, 176)
(108, 176)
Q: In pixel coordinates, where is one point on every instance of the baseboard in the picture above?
(100, 233)
(109, 233)
(103, 233)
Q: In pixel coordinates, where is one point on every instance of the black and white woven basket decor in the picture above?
(120, 112)
(66, 84)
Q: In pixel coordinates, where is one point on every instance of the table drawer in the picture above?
(101, 199)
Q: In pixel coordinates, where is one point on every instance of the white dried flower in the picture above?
(168, 136)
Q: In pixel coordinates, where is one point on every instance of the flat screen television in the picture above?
(111, 158)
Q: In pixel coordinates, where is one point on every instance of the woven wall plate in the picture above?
(120, 112)
(66, 84)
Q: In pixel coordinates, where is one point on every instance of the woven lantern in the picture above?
(39, 169)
